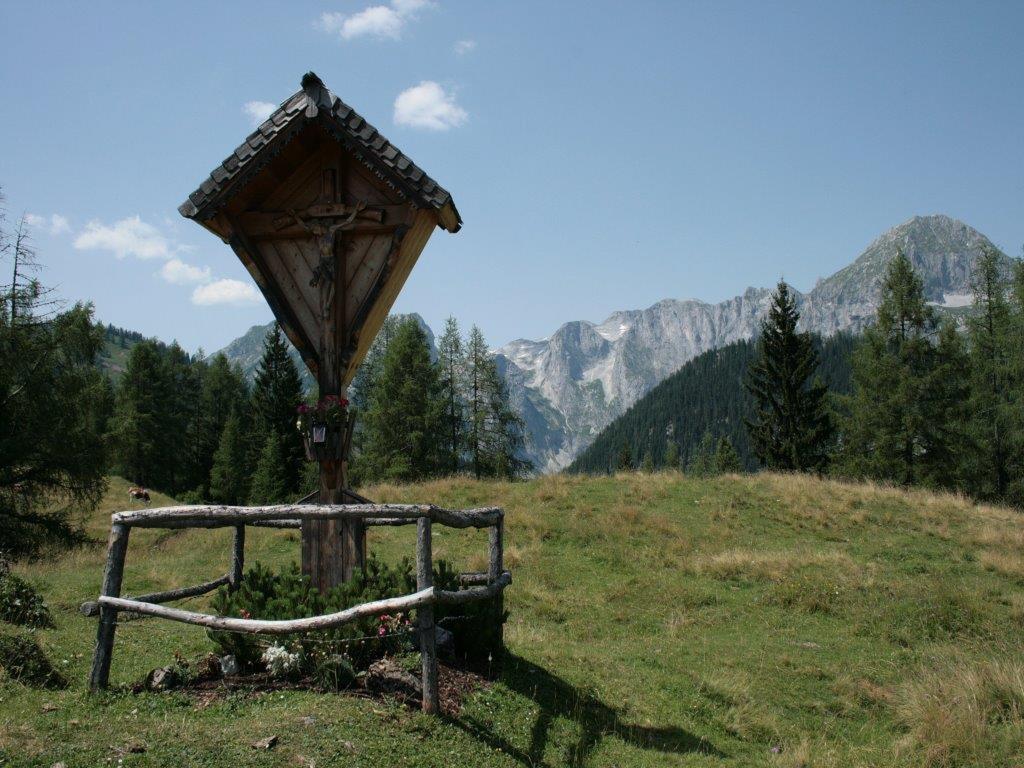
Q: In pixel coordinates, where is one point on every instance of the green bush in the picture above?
(333, 657)
(264, 594)
(23, 660)
(19, 602)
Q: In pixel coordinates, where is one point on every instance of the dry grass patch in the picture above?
(968, 713)
(751, 564)
(1005, 563)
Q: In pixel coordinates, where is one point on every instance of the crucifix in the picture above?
(329, 217)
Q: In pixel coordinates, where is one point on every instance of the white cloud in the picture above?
(427, 105)
(59, 225)
(258, 111)
(225, 291)
(178, 272)
(56, 224)
(379, 21)
(462, 47)
(127, 237)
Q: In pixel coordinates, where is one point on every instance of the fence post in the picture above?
(496, 567)
(117, 547)
(237, 558)
(425, 615)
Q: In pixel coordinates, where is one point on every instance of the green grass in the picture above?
(655, 620)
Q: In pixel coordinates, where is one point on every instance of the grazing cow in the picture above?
(138, 494)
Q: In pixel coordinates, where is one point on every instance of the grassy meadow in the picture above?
(760, 620)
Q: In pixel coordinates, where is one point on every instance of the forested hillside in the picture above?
(704, 396)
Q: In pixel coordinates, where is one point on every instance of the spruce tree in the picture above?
(451, 382)
(403, 419)
(702, 463)
(137, 432)
(900, 422)
(992, 462)
(494, 431)
(726, 459)
(276, 396)
(624, 461)
(672, 455)
(647, 465)
(269, 481)
(791, 429)
(224, 391)
(229, 476)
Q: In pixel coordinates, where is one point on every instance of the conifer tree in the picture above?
(276, 396)
(647, 465)
(138, 425)
(900, 422)
(269, 480)
(992, 461)
(672, 455)
(451, 384)
(403, 418)
(224, 391)
(727, 460)
(624, 462)
(494, 432)
(229, 476)
(702, 463)
(791, 429)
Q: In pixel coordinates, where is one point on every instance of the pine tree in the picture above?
(647, 465)
(672, 455)
(792, 428)
(269, 481)
(276, 396)
(229, 476)
(224, 391)
(702, 463)
(726, 459)
(624, 462)
(452, 386)
(992, 461)
(137, 433)
(476, 400)
(494, 431)
(899, 421)
(403, 418)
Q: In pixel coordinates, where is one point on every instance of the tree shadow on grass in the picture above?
(595, 720)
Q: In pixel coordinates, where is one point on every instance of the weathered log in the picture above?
(117, 547)
(237, 557)
(216, 516)
(282, 627)
(92, 608)
(425, 615)
(473, 578)
(474, 593)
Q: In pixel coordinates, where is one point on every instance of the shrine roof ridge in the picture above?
(314, 101)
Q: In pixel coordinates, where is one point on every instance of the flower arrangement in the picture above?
(279, 660)
(331, 411)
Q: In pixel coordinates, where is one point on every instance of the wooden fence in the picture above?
(482, 586)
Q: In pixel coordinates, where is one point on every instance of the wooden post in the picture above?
(425, 616)
(496, 567)
(117, 548)
(237, 558)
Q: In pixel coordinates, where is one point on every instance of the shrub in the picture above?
(264, 594)
(333, 657)
(19, 602)
(23, 660)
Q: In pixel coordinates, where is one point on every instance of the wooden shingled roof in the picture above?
(314, 102)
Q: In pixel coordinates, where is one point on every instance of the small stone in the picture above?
(49, 707)
(228, 665)
(267, 743)
(386, 677)
(135, 748)
(61, 764)
(444, 640)
(162, 679)
(308, 720)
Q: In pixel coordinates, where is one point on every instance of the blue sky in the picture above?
(603, 155)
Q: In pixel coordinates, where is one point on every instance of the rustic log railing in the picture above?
(477, 586)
